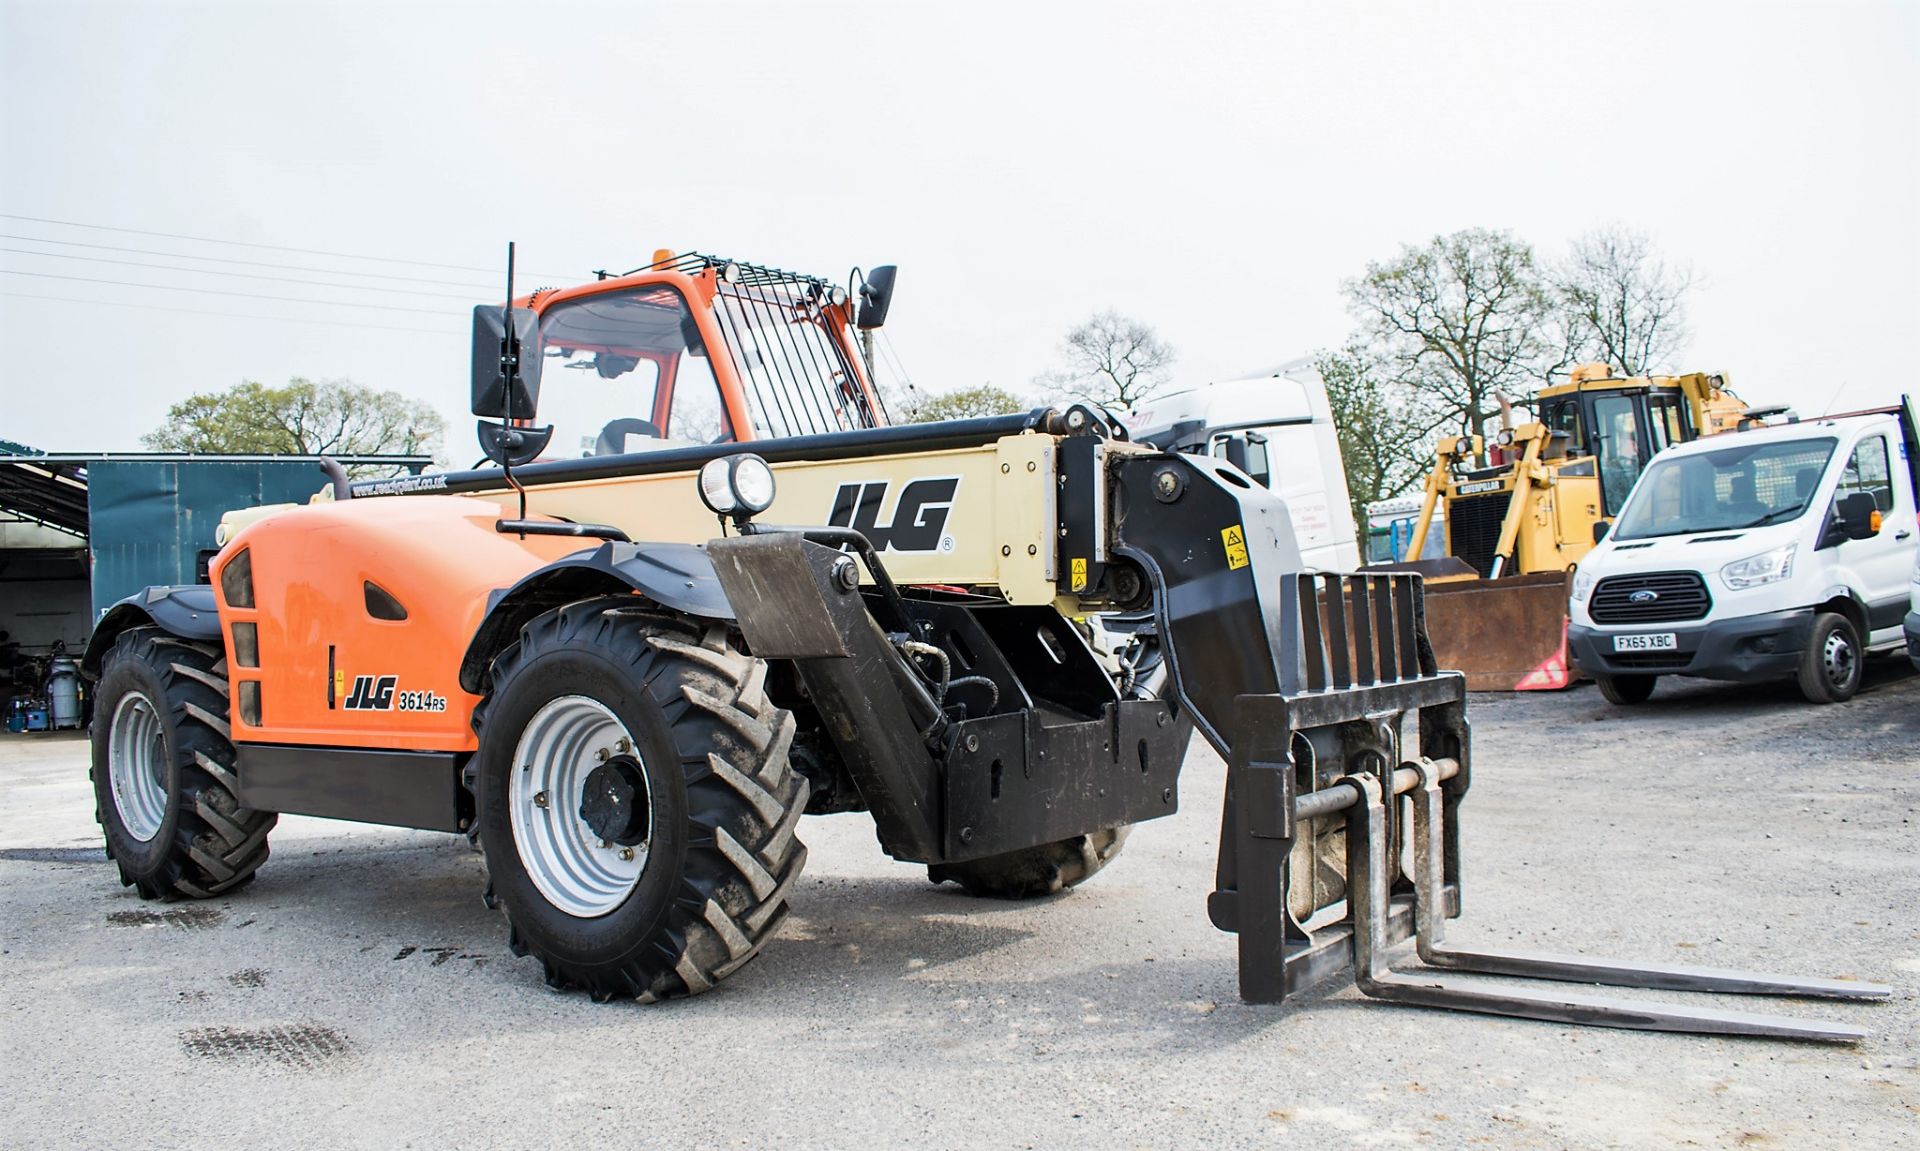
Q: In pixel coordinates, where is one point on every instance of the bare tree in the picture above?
(1620, 302)
(1457, 320)
(1386, 434)
(1112, 360)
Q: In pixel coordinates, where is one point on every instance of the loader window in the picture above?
(1621, 449)
(1743, 486)
(620, 375)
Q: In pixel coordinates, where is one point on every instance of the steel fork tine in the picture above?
(1428, 881)
(1368, 900)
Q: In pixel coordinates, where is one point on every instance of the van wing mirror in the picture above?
(498, 394)
(1856, 512)
(1600, 530)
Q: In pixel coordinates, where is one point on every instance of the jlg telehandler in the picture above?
(1521, 511)
(629, 683)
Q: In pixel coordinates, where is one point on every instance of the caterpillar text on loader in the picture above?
(1522, 511)
(629, 681)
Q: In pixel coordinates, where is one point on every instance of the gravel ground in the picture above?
(359, 995)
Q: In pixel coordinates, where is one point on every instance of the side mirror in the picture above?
(491, 398)
(1857, 514)
(875, 295)
(1600, 530)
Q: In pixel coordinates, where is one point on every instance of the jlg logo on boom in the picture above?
(919, 520)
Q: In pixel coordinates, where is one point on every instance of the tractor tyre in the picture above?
(1831, 667)
(636, 807)
(1626, 690)
(162, 771)
(1034, 871)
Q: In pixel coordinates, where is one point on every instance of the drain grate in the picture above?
(185, 918)
(301, 1046)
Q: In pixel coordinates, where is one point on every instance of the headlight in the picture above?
(737, 485)
(1582, 584)
(1767, 567)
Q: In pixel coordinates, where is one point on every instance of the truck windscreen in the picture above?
(1742, 485)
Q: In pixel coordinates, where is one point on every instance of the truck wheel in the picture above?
(636, 806)
(1626, 689)
(162, 770)
(1830, 669)
(1034, 871)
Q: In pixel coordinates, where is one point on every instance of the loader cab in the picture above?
(691, 351)
(1621, 427)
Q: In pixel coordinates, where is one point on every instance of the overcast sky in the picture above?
(1214, 170)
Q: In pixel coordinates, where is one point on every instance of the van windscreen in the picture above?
(1738, 486)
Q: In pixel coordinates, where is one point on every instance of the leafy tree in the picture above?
(1458, 319)
(966, 403)
(1620, 303)
(1112, 360)
(329, 417)
(1385, 434)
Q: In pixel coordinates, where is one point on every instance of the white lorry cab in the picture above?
(1783, 551)
(1277, 428)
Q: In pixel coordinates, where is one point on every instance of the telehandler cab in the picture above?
(621, 676)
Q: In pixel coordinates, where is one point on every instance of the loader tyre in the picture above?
(162, 771)
(1626, 690)
(636, 807)
(1034, 871)
(1830, 669)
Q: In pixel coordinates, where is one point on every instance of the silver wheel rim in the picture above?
(1839, 659)
(578, 872)
(137, 766)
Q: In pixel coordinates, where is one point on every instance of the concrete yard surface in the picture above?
(358, 994)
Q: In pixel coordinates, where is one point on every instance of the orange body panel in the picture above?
(395, 683)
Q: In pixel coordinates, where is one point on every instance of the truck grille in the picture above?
(1473, 528)
(1676, 596)
(1651, 660)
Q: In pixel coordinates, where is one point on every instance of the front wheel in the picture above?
(1626, 690)
(1830, 669)
(636, 806)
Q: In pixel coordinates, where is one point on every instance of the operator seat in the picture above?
(613, 437)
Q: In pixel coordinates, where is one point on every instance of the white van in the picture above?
(1278, 428)
(1776, 552)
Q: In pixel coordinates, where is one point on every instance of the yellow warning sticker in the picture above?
(1080, 575)
(1236, 541)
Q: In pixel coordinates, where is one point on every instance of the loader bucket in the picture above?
(1506, 634)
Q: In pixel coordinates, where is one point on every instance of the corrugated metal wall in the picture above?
(151, 519)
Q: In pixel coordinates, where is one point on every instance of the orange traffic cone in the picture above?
(1552, 673)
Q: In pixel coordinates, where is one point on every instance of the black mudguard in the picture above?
(187, 610)
(678, 577)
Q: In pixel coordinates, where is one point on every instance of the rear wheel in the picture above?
(636, 806)
(163, 780)
(1626, 689)
(1830, 669)
(1034, 871)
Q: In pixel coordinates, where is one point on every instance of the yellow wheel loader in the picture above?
(1521, 511)
(630, 672)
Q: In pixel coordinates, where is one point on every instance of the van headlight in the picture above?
(1582, 584)
(1767, 567)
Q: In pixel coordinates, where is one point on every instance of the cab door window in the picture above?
(1621, 450)
(1867, 471)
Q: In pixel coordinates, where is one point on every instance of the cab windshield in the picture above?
(1738, 486)
(627, 372)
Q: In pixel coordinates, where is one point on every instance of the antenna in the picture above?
(510, 369)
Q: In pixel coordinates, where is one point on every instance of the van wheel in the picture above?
(1830, 669)
(1626, 690)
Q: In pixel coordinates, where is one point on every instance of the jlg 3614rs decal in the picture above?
(381, 693)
